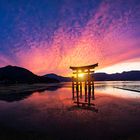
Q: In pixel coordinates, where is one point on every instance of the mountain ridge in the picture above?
(58, 77)
(15, 74)
(133, 75)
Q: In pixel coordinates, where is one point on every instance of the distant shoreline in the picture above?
(127, 89)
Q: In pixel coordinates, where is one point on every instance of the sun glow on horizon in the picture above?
(120, 67)
(81, 75)
(70, 34)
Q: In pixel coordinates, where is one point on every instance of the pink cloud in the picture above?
(104, 39)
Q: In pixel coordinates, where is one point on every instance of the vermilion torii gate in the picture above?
(87, 82)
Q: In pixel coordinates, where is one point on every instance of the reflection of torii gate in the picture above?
(88, 84)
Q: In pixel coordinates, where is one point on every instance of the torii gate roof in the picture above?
(84, 67)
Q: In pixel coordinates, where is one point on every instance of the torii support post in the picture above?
(77, 87)
(85, 91)
(80, 89)
(89, 87)
(88, 82)
(73, 88)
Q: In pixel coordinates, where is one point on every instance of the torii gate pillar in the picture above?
(88, 83)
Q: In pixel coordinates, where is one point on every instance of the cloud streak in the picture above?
(108, 33)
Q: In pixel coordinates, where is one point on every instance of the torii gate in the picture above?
(88, 84)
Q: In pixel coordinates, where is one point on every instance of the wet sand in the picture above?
(52, 115)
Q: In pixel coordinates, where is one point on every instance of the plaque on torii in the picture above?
(87, 82)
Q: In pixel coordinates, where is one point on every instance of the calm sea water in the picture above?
(111, 87)
(51, 110)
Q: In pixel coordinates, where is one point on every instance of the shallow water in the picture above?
(52, 111)
(109, 87)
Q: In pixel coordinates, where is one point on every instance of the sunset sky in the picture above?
(48, 36)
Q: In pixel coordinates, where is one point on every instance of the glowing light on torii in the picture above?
(88, 82)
